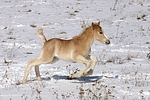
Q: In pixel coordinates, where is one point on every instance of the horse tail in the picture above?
(41, 35)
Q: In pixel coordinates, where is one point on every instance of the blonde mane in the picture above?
(82, 32)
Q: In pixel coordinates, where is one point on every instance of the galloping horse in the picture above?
(76, 49)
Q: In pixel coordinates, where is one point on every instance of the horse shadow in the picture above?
(85, 79)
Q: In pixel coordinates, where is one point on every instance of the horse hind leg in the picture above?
(37, 68)
(36, 63)
(37, 72)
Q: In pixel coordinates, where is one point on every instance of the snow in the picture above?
(123, 65)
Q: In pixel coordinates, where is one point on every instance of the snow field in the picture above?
(123, 65)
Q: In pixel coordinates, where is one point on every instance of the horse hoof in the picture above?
(24, 82)
(74, 76)
(70, 76)
(90, 72)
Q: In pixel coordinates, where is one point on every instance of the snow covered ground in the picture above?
(123, 69)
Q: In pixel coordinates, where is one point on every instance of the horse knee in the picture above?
(87, 65)
(93, 58)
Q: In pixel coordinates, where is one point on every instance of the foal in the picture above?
(76, 49)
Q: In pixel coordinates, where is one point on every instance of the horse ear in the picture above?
(99, 23)
(93, 25)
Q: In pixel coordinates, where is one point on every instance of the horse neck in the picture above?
(86, 37)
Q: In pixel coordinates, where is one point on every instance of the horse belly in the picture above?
(65, 57)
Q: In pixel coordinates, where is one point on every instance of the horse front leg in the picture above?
(94, 62)
(83, 60)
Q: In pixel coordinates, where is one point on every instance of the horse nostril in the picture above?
(107, 42)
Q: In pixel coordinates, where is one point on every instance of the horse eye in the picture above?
(100, 32)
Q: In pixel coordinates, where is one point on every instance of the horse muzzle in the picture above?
(107, 42)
